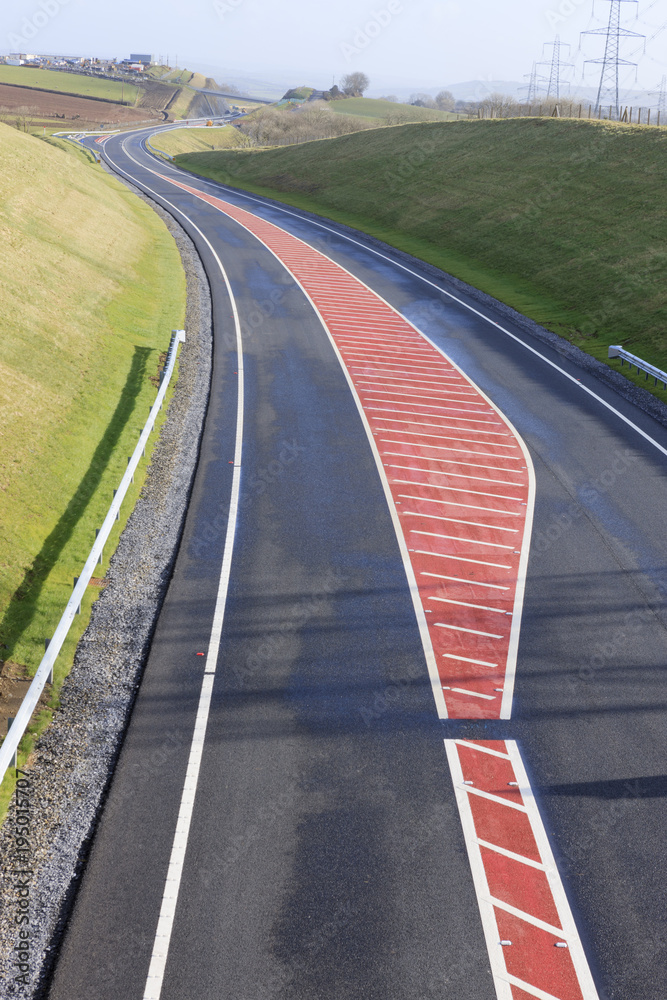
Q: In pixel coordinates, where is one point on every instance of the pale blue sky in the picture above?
(399, 43)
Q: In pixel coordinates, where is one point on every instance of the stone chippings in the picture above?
(74, 758)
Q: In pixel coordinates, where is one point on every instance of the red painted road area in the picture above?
(459, 476)
(530, 933)
(460, 485)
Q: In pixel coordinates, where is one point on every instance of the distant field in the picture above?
(91, 284)
(69, 83)
(370, 108)
(564, 220)
(195, 140)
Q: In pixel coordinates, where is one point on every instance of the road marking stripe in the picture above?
(467, 659)
(498, 799)
(534, 991)
(527, 917)
(487, 750)
(457, 520)
(438, 387)
(448, 437)
(450, 409)
(448, 555)
(473, 631)
(453, 503)
(400, 375)
(457, 489)
(455, 475)
(455, 451)
(457, 538)
(473, 694)
(465, 604)
(472, 583)
(451, 461)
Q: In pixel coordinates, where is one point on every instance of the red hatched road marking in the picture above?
(521, 897)
(460, 486)
(446, 455)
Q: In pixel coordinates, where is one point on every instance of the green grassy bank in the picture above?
(194, 140)
(564, 220)
(69, 83)
(91, 285)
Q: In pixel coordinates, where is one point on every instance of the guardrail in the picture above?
(44, 673)
(616, 351)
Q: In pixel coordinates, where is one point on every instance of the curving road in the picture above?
(284, 821)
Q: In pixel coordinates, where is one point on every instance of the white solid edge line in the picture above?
(165, 924)
(579, 960)
(487, 913)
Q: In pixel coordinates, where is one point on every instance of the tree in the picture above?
(354, 84)
(334, 93)
(422, 100)
(445, 100)
(390, 97)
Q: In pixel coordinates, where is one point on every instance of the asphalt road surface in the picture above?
(323, 855)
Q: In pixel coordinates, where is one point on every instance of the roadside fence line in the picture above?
(8, 751)
(616, 351)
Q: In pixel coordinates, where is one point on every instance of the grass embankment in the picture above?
(69, 83)
(194, 140)
(91, 284)
(566, 221)
(368, 107)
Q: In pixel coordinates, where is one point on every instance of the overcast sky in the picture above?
(398, 43)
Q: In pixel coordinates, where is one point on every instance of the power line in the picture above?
(608, 91)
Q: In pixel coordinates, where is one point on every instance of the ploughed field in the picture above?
(43, 107)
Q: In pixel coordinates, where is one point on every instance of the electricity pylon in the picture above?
(533, 87)
(608, 91)
(661, 94)
(556, 65)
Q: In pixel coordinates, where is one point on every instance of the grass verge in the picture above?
(563, 220)
(69, 83)
(195, 140)
(91, 284)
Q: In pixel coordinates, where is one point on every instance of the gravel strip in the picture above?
(75, 757)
